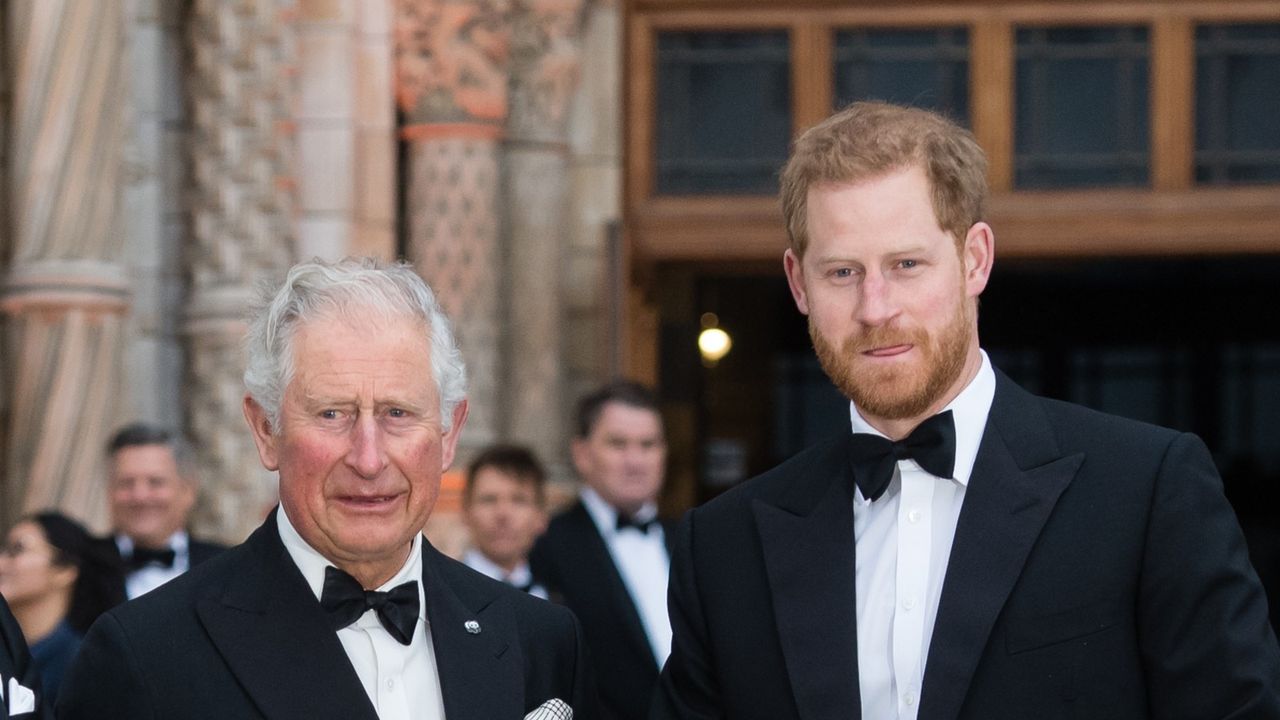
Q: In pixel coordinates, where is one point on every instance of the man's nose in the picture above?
(366, 456)
(138, 492)
(876, 304)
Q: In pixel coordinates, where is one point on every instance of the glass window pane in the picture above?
(1082, 107)
(723, 111)
(1237, 104)
(923, 68)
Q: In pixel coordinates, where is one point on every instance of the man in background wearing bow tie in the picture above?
(151, 488)
(607, 557)
(971, 551)
(337, 607)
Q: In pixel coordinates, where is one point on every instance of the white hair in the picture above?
(316, 288)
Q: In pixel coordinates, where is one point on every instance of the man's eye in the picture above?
(329, 414)
(843, 272)
(908, 264)
(397, 413)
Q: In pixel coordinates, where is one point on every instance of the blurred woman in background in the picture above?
(57, 579)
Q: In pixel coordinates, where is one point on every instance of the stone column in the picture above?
(451, 86)
(155, 218)
(242, 217)
(346, 130)
(65, 293)
(544, 68)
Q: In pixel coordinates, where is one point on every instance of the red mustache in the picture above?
(883, 337)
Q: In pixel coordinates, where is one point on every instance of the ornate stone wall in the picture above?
(243, 208)
(451, 86)
(65, 291)
(261, 130)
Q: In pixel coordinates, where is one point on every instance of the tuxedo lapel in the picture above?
(480, 667)
(1016, 481)
(598, 558)
(274, 636)
(808, 546)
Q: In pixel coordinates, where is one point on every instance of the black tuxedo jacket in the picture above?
(200, 551)
(243, 636)
(571, 558)
(15, 662)
(1097, 572)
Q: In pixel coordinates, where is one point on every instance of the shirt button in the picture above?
(909, 603)
(913, 517)
(909, 698)
(391, 684)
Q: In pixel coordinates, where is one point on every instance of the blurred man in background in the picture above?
(504, 507)
(151, 490)
(607, 557)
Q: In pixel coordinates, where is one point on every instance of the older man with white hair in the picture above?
(337, 606)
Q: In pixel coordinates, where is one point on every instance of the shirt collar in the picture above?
(969, 409)
(177, 542)
(606, 515)
(312, 564)
(480, 562)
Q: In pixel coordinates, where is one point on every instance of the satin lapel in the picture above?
(807, 541)
(270, 629)
(480, 672)
(597, 556)
(1017, 480)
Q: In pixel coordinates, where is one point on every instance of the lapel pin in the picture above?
(472, 627)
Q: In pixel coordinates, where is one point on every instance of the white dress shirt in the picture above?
(520, 577)
(145, 579)
(643, 563)
(903, 542)
(401, 680)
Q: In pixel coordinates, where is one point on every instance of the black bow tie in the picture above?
(345, 600)
(932, 444)
(142, 557)
(629, 521)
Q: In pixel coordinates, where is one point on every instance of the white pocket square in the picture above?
(553, 709)
(23, 700)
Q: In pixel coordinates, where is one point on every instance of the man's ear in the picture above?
(978, 255)
(579, 455)
(791, 263)
(263, 437)
(449, 440)
(189, 492)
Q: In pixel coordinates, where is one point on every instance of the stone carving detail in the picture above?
(451, 60)
(453, 226)
(451, 83)
(545, 66)
(243, 66)
(65, 293)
